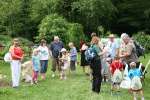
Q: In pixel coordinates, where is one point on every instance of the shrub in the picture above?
(75, 34)
(143, 39)
(6, 42)
(54, 24)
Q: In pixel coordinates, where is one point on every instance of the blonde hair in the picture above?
(71, 44)
(95, 40)
(34, 51)
(16, 41)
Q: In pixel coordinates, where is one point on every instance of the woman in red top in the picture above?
(17, 56)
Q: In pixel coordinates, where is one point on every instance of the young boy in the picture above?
(136, 85)
(73, 56)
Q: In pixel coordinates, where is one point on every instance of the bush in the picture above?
(6, 42)
(75, 34)
(54, 24)
(143, 39)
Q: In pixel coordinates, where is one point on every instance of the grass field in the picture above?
(76, 87)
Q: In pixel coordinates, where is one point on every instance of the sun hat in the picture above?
(111, 36)
(63, 50)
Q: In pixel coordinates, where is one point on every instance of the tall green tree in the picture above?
(132, 16)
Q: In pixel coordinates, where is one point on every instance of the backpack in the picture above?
(90, 54)
(139, 49)
(136, 83)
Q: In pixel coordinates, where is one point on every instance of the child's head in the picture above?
(63, 51)
(133, 65)
(117, 58)
(35, 52)
(71, 44)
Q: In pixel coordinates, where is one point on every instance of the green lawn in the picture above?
(76, 87)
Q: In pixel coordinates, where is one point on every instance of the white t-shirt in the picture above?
(44, 52)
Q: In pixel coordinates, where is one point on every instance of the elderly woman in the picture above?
(96, 65)
(128, 50)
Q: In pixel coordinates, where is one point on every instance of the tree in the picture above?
(93, 13)
(52, 25)
(9, 15)
(132, 16)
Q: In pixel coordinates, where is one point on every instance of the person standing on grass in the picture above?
(95, 65)
(55, 48)
(73, 56)
(84, 63)
(17, 56)
(36, 65)
(128, 50)
(112, 46)
(44, 56)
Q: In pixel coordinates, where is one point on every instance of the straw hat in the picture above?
(111, 36)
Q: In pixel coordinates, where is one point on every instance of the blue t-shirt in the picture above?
(134, 72)
(73, 54)
(36, 63)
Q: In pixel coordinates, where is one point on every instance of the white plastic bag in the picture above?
(136, 83)
(7, 57)
(117, 77)
(126, 83)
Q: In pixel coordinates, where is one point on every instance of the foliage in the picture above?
(93, 13)
(75, 34)
(54, 24)
(132, 16)
(143, 39)
(6, 41)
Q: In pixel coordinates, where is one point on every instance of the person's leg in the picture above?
(142, 95)
(134, 96)
(98, 84)
(16, 69)
(33, 75)
(54, 63)
(94, 84)
(72, 65)
(42, 69)
(13, 72)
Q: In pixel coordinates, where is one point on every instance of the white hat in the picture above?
(63, 50)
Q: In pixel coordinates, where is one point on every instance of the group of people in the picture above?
(60, 57)
(109, 59)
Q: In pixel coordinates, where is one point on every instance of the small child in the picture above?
(36, 65)
(116, 67)
(64, 63)
(136, 85)
(73, 56)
